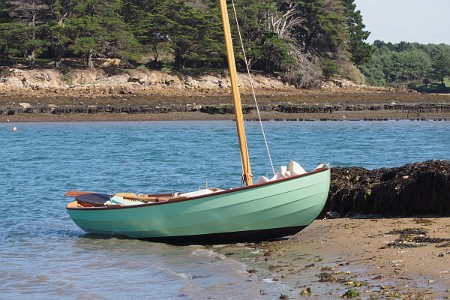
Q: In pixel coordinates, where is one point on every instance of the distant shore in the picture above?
(303, 105)
(45, 95)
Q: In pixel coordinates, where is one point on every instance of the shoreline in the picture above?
(303, 105)
(198, 116)
(367, 115)
(293, 111)
(374, 258)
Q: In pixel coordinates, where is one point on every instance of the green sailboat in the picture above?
(262, 211)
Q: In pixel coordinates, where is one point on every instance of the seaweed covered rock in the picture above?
(410, 190)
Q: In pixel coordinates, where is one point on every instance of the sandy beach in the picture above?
(407, 258)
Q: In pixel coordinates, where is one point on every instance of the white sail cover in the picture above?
(293, 169)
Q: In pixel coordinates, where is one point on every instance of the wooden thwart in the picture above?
(99, 199)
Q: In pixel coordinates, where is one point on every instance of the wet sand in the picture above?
(407, 258)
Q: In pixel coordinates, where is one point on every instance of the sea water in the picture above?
(44, 255)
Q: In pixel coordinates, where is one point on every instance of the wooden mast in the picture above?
(247, 173)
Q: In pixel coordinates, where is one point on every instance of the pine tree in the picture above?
(28, 37)
(6, 25)
(441, 63)
(359, 49)
(190, 32)
(96, 29)
(262, 31)
(61, 11)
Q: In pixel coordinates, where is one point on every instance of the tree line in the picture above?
(303, 41)
(414, 64)
(298, 39)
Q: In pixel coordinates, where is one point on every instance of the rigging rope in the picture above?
(252, 87)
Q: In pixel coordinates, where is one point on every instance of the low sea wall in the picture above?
(407, 109)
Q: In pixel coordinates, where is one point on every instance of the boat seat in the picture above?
(94, 199)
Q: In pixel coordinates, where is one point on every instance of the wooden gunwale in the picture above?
(175, 200)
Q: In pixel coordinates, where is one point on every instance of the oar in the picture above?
(96, 198)
(76, 193)
(89, 196)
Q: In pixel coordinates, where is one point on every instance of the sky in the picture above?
(422, 21)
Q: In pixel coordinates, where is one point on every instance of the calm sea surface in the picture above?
(43, 254)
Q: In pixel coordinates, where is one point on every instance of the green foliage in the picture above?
(27, 34)
(350, 71)
(351, 294)
(329, 68)
(407, 64)
(359, 49)
(190, 33)
(6, 24)
(68, 74)
(303, 40)
(321, 29)
(96, 29)
(373, 70)
(441, 63)
(274, 54)
(325, 34)
(265, 49)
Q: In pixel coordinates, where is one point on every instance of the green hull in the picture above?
(265, 211)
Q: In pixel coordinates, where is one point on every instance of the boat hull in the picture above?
(259, 212)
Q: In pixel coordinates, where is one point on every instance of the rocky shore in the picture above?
(384, 233)
(417, 189)
(137, 95)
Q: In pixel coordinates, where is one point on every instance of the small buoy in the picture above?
(14, 129)
(7, 120)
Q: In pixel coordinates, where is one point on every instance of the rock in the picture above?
(99, 81)
(332, 215)
(24, 105)
(86, 76)
(14, 83)
(108, 62)
(411, 190)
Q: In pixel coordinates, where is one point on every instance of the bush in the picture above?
(329, 68)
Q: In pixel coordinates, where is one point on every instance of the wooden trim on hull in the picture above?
(229, 237)
(249, 214)
(98, 205)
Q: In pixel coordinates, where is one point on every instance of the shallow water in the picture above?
(44, 255)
